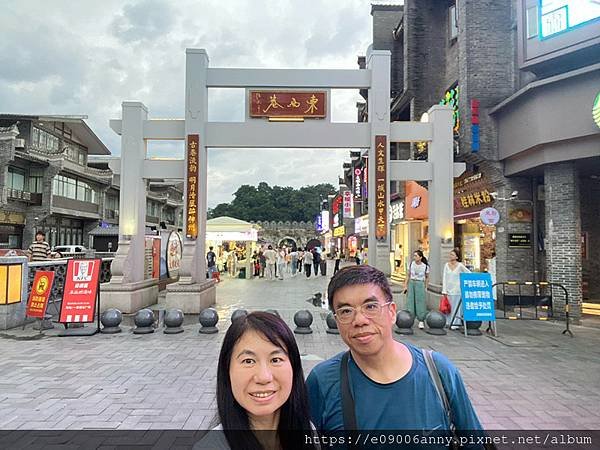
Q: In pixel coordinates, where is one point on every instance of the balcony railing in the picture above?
(29, 197)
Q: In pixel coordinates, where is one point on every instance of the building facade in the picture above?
(53, 178)
(522, 78)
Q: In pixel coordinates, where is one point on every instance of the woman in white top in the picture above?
(451, 286)
(260, 386)
(416, 287)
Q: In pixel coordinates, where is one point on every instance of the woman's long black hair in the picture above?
(423, 259)
(294, 413)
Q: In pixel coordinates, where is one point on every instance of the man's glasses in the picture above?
(371, 310)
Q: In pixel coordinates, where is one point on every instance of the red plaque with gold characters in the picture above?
(298, 104)
(381, 230)
(191, 206)
(40, 292)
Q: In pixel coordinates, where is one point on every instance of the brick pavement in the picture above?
(530, 377)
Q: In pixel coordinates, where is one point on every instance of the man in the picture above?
(40, 249)
(211, 261)
(388, 380)
(316, 260)
(271, 259)
(337, 256)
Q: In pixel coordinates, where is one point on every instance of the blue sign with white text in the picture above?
(477, 297)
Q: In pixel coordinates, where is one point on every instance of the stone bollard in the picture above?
(111, 319)
(303, 320)
(332, 327)
(273, 311)
(208, 319)
(404, 323)
(238, 314)
(173, 320)
(143, 320)
(436, 322)
(473, 328)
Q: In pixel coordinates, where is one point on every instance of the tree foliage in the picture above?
(278, 203)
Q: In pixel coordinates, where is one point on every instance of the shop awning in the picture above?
(230, 229)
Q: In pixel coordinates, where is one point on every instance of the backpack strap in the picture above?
(348, 409)
(439, 386)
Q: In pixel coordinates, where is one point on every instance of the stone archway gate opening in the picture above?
(129, 291)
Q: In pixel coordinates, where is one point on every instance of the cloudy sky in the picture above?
(86, 57)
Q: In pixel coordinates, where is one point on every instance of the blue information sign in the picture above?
(477, 297)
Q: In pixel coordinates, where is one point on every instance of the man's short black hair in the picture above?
(40, 232)
(355, 275)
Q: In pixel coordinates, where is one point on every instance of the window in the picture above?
(532, 22)
(16, 179)
(44, 141)
(36, 180)
(453, 22)
(74, 189)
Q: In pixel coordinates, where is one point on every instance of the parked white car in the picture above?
(66, 249)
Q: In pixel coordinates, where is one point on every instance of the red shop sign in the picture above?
(40, 292)
(81, 290)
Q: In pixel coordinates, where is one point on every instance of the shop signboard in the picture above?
(348, 205)
(223, 236)
(324, 221)
(397, 211)
(40, 293)
(519, 240)
(520, 215)
(471, 195)
(477, 297)
(357, 183)
(318, 224)
(191, 207)
(489, 216)
(361, 225)
(339, 231)
(381, 225)
(288, 104)
(80, 291)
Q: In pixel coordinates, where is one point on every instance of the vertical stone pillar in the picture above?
(563, 234)
(128, 265)
(378, 61)
(440, 192)
(193, 263)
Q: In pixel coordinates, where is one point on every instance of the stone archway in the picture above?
(312, 243)
(288, 241)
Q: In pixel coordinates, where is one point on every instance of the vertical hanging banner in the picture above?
(40, 292)
(381, 230)
(348, 205)
(80, 291)
(191, 206)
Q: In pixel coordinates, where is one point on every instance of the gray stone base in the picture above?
(128, 298)
(191, 298)
(12, 316)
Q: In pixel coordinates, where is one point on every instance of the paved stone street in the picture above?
(530, 377)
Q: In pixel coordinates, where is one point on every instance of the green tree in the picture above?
(278, 203)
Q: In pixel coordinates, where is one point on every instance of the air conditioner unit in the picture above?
(19, 143)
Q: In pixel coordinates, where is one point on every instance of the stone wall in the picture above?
(590, 224)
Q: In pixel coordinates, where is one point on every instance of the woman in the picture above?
(260, 386)
(451, 285)
(416, 287)
(294, 261)
(281, 262)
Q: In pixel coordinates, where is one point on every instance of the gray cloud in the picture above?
(143, 21)
(89, 57)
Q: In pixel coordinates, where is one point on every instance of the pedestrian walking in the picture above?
(336, 255)
(263, 263)
(316, 260)
(358, 256)
(211, 262)
(281, 256)
(308, 262)
(271, 260)
(416, 287)
(294, 261)
(451, 285)
(300, 258)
